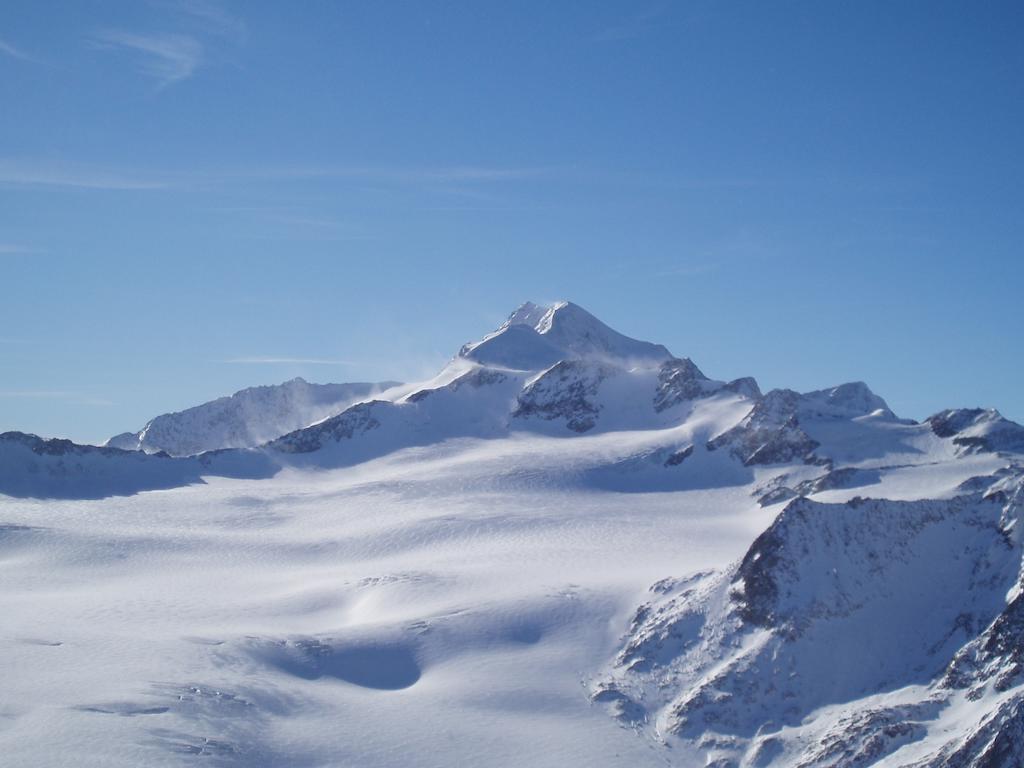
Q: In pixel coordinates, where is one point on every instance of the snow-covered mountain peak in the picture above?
(852, 399)
(541, 317)
(245, 419)
(536, 337)
(978, 429)
(527, 314)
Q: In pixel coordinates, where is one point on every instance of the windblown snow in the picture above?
(246, 419)
(569, 547)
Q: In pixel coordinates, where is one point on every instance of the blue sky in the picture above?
(199, 196)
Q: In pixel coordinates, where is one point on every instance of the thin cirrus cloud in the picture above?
(18, 171)
(53, 394)
(14, 249)
(211, 16)
(168, 57)
(7, 49)
(41, 172)
(270, 360)
(391, 174)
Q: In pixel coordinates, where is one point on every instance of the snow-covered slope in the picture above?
(245, 419)
(460, 571)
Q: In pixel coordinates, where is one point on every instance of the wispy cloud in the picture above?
(267, 360)
(14, 52)
(167, 57)
(196, 28)
(13, 249)
(290, 222)
(53, 394)
(48, 173)
(212, 17)
(479, 173)
(397, 174)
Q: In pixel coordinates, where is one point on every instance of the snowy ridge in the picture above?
(33, 467)
(976, 429)
(245, 419)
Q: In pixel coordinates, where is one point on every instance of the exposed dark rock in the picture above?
(997, 654)
(678, 457)
(746, 386)
(770, 433)
(623, 707)
(565, 391)
(679, 380)
(478, 377)
(977, 429)
(996, 742)
(60, 447)
(356, 420)
(775, 495)
(846, 477)
(950, 422)
(756, 578)
(865, 737)
(887, 590)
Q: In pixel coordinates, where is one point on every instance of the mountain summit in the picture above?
(537, 337)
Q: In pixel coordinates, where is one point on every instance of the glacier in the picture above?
(569, 547)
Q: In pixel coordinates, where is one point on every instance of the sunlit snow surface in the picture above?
(440, 605)
(437, 606)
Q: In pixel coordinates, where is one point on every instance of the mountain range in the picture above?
(853, 598)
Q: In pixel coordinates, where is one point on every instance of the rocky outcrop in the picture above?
(976, 429)
(774, 431)
(678, 380)
(474, 379)
(770, 433)
(566, 391)
(355, 421)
